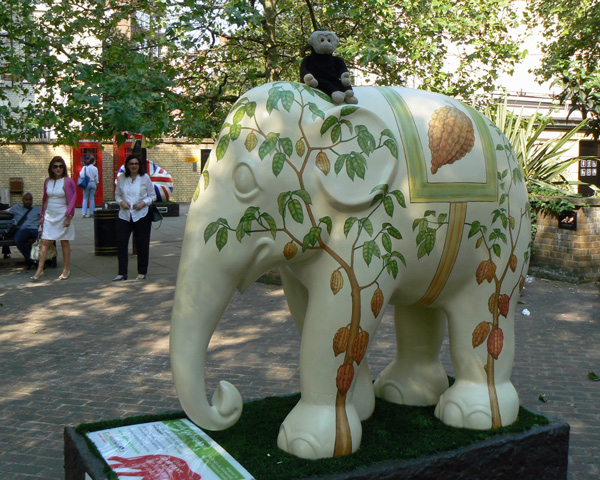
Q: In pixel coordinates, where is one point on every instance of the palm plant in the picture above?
(540, 159)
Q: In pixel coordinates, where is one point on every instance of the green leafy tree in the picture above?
(177, 71)
(571, 50)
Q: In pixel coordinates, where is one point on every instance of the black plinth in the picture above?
(539, 453)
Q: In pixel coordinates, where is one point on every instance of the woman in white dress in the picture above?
(135, 193)
(58, 208)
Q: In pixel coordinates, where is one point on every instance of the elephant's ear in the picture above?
(348, 171)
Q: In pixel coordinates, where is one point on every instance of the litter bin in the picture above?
(105, 232)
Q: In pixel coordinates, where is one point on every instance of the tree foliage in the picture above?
(571, 50)
(180, 74)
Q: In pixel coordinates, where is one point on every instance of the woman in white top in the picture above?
(134, 193)
(89, 193)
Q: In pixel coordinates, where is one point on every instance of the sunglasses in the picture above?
(58, 165)
(133, 164)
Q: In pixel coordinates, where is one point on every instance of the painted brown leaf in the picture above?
(340, 340)
(336, 282)
(344, 378)
(480, 333)
(503, 304)
(495, 343)
(359, 346)
(377, 302)
(290, 250)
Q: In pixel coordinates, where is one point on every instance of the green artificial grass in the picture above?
(394, 432)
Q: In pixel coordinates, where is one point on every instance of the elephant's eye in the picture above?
(244, 181)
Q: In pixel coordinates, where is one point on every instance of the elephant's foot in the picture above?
(415, 384)
(467, 405)
(309, 430)
(338, 97)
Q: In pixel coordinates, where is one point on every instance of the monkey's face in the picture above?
(323, 42)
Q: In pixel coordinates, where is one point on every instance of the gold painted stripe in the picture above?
(456, 223)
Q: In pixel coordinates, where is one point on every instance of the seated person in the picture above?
(6, 248)
(27, 218)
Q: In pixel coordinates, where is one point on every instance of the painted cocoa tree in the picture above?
(370, 241)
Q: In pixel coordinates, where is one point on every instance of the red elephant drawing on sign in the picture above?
(154, 467)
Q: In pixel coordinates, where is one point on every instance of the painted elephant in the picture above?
(408, 198)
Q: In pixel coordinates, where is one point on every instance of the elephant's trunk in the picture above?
(202, 294)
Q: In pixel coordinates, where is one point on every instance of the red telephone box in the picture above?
(87, 147)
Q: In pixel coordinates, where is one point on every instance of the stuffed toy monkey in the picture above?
(322, 70)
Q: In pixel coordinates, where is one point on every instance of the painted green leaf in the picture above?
(268, 146)
(518, 175)
(367, 225)
(377, 198)
(497, 249)
(429, 212)
(355, 165)
(339, 163)
(271, 223)
(368, 251)
(348, 225)
(421, 236)
(365, 140)
(442, 217)
(504, 174)
(399, 198)
(336, 133)
(196, 193)
(304, 195)
(387, 133)
(502, 198)
(250, 214)
(281, 200)
(422, 251)
(392, 147)
(392, 268)
(250, 109)
(278, 163)
(300, 148)
(221, 238)
(475, 227)
(206, 176)
(222, 146)
(235, 131)
(295, 209)
(313, 235)
(287, 100)
(348, 124)
(389, 206)
(274, 97)
(499, 147)
(400, 256)
(328, 123)
(240, 231)
(382, 186)
(237, 117)
(251, 141)
(327, 221)
(348, 110)
(323, 95)
(386, 241)
(210, 230)
(394, 232)
(316, 111)
(286, 145)
(416, 223)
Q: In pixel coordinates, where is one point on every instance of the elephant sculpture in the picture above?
(409, 198)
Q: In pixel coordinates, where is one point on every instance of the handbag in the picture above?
(36, 248)
(155, 214)
(83, 180)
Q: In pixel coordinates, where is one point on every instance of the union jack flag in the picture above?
(162, 180)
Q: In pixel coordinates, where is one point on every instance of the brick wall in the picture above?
(572, 255)
(32, 166)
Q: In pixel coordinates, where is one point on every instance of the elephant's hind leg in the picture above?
(416, 376)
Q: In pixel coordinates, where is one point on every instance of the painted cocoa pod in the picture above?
(323, 163)
(480, 333)
(340, 340)
(377, 302)
(485, 271)
(521, 284)
(345, 374)
(451, 136)
(359, 346)
(503, 304)
(290, 250)
(491, 302)
(495, 342)
(336, 282)
(300, 147)
(512, 263)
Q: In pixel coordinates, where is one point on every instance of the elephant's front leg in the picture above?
(309, 431)
(482, 396)
(416, 376)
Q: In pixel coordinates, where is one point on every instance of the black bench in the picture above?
(6, 222)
